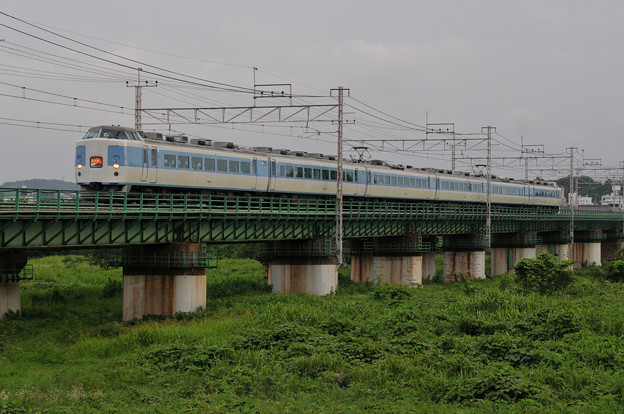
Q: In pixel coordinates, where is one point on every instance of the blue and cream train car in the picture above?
(116, 158)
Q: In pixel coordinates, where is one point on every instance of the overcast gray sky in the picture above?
(547, 71)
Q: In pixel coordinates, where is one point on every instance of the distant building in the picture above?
(580, 200)
(614, 199)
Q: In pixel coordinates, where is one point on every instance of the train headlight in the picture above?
(79, 166)
(96, 162)
(116, 165)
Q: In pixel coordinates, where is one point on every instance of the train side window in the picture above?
(245, 167)
(400, 181)
(282, 171)
(183, 161)
(233, 166)
(154, 157)
(348, 176)
(393, 180)
(307, 173)
(412, 182)
(222, 165)
(289, 171)
(325, 174)
(255, 166)
(145, 156)
(170, 161)
(209, 163)
(316, 173)
(273, 166)
(356, 176)
(333, 174)
(196, 163)
(299, 172)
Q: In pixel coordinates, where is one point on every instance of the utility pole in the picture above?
(138, 97)
(488, 222)
(621, 194)
(570, 204)
(339, 177)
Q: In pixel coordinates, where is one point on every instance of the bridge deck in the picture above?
(32, 218)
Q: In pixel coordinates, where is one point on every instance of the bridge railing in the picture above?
(33, 204)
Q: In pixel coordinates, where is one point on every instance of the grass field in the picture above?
(470, 347)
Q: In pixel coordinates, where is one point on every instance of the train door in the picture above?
(359, 179)
(263, 172)
(368, 183)
(272, 175)
(255, 172)
(152, 172)
(145, 164)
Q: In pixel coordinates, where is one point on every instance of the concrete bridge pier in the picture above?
(507, 250)
(587, 247)
(302, 266)
(463, 255)
(11, 265)
(401, 260)
(429, 265)
(610, 247)
(163, 279)
(469, 263)
(503, 259)
(310, 275)
(405, 270)
(561, 250)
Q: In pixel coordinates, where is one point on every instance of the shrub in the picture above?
(544, 274)
(497, 382)
(392, 293)
(613, 271)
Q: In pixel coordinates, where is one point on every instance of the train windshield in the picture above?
(112, 133)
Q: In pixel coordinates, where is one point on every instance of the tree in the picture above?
(587, 187)
(544, 274)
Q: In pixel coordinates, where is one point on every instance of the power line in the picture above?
(24, 89)
(224, 85)
(59, 60)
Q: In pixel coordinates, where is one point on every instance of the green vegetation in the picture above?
(469, 347)
(587, 187)
(543, 274)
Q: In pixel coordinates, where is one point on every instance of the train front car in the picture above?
(109, 158)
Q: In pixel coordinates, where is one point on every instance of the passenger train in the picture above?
(122, 159)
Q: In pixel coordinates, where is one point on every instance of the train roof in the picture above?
(230, 146)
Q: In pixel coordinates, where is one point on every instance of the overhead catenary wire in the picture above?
(63, 61)
(371, 122)
(73, 98)
(205, 82)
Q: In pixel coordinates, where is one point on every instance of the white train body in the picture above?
(115, 158)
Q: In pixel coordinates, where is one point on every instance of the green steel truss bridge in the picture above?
(51, 218)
